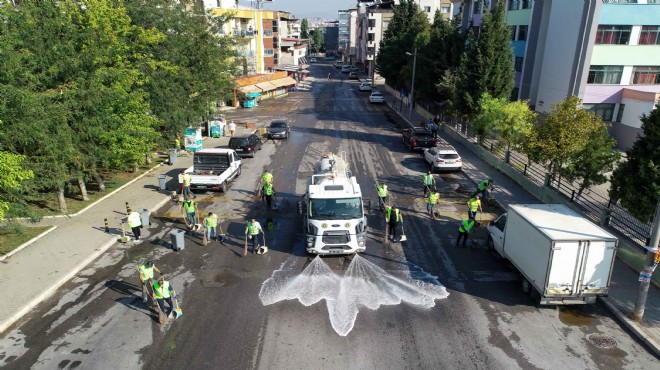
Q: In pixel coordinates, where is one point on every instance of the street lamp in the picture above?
(412, 84)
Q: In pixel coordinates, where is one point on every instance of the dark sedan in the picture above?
(278, 129)
(418, 138)
(245, 146)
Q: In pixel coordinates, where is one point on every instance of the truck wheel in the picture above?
(223, 187)
(526, 285)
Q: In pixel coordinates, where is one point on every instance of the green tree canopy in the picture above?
(511, 121)
(304, 29)
(636, 182)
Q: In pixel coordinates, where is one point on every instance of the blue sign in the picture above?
(402, 94)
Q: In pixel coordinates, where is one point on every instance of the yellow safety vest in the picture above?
(177, 144)
(267, 178)
(146, 273)
(433, 198)
(466, 226)
(268, 189)
(162, 292)
(428, 179)
(253, 228)
(186, 179)
(474, 204)
(189, 206)
(134, 220)
(382, 191)
(397, 214)
(212, 221)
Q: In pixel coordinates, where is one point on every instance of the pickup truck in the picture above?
(562, 257)
(213, 169)
(418, 138)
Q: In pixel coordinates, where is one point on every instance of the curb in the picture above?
(20, 247)
(51, 289)
(632, 326)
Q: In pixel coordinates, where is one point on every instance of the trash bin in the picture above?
(145, 216)
(162, 182)
(172, 156)
(178, 240)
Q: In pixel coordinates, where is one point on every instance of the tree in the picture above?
(636, 182)
(316, 43)
(409, 28)
(564, 133)
(486, 65)
(512, 121)
(588, 165)
(12, 176)
(304, 29)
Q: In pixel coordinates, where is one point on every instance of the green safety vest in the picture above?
(466, 226)
(186, 179)
(428, 179)
(382, 191)
(253, 229)
(483, 185)
(433, 198)
(177, 144)
(162, 292)
(134, 220)
(268, 189)
(212, 221)
(473, 204)
(189, 206)
(146, 273)
(397, 213)
(267, 178)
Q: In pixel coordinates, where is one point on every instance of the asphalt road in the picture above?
(420, 304)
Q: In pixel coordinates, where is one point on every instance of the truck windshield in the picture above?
(341, 209)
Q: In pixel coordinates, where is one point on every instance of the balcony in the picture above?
(243, 33)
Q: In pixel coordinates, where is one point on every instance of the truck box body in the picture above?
(565, 257)
(213, 169)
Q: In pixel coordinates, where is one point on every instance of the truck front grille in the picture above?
(335, 237)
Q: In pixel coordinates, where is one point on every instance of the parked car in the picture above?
(443, 158)
(312, 60)
(354, 69)
(246, 145)
(339, 64)
(418, 138)
(365, 86)
(352, 75)
(278, 129)
(345, 68)
(376, 97)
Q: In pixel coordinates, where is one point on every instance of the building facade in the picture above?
(331, 38)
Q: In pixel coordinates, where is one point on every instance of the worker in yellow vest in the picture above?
(464, 230)
(211, 224)
(177, 144)
(146, 275)
(164, 292)
(189, 208)
(135, 223)
(252, 231)
(187, 179)
(429, 181)
(474, 205)
(393, 217)
(431, 201)
(383, 194)
(266, 178)
(269, 193)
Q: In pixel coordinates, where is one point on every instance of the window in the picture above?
(619, 114)
(268, 32)
(646, 75)
(522, 33)
(514, 94)
(477, 7)
(372, 23)
(445, 9)
(427, 9)
(371, 36)
(513, 33)
(614, 35)
(605, 74)
(268, 52)
(512, 5)
(650, 35)
(518, 64)
(604, 111)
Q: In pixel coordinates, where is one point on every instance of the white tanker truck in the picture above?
(334, 219)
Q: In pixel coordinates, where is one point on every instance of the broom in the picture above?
(177, 309)
(403, 234)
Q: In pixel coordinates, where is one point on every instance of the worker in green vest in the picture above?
(146, 275)
(189, 208)
(484, 188)
(474, 205)
(164, 292)
(268, 193)
(177, 144)
(252, 231)
(431, 201)
(266, 178)
(383, 194)
(464, 230)
(134, 221)
(429, 181)
(393, 217)
(211, 225)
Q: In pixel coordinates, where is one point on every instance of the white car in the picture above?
(443, 158)
(313, 60)
(365, 86)
(376, 97)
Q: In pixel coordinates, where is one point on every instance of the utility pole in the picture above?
(649, 266)
(411, 100)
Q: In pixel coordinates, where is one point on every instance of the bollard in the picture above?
(127, 207)
(573, 196)
(525, 170)
(107, 227)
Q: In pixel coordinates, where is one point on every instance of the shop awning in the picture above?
(266, 86)
(250, 89)
(286, 81)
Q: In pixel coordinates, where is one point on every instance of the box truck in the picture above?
(560, 255)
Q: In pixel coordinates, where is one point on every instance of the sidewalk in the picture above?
(623, 291)
(37, 271)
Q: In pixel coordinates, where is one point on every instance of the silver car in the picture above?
(443, 158)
